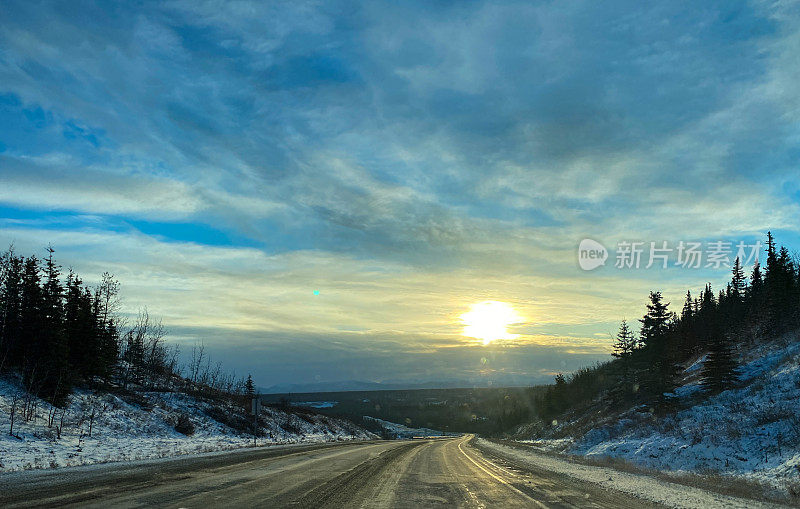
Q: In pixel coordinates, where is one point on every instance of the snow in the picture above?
(641, 486)
(697, 365)
(551, 445)
(401, 431)
(142, 427)
(316, 404)
(752, 432)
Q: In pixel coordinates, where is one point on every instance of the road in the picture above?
(416, 473)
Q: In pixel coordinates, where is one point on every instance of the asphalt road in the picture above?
(417, 473)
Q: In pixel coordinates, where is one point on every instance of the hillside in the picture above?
(141, 424)
(750, 432)
(482, 410)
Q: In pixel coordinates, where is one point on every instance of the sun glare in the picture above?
(489, 321)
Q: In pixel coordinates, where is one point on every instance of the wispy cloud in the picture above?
(405, 159)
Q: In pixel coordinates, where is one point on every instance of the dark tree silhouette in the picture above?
(716, 325)
(719, 369)
(249, 387)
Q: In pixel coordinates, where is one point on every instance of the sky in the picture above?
(319, 191)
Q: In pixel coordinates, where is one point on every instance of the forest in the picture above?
(57, 332)
(646, 366)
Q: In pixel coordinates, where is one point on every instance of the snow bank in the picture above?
(141, 425)
(752, 432)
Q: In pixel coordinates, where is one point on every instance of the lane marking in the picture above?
(473, 497)
(495, 477)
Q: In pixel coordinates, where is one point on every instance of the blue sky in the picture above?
(226, 159)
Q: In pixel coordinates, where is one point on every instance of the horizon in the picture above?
(325, 194)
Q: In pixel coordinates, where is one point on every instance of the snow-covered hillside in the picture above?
(751, 432)
(140, 425)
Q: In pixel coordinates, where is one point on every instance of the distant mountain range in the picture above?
(360, 385)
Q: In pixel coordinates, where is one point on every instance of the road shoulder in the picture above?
(19, 487)
(639, 485)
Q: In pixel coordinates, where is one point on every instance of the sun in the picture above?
(489, 320)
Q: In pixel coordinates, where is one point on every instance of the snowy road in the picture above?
(418, 473)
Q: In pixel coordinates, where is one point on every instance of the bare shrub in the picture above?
(184, 425)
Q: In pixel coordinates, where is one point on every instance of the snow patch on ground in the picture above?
(316, 404)
(400, 431)
(142, 426)
(551, 444)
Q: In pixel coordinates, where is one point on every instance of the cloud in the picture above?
(405, 159)
(59, 183)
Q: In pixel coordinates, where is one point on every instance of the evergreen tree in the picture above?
(133, 357)
(773, 282)
(719, 369)
(755, 295)
(81, 329)
(688, 334)
(707, 317)
(625, 342)
(655, 322)
(687, 312)
(32, 348)
(11, 311)
(625, 345)
(105, 305)
(657, 360)
(249, 387)
(107, 339)
(786, 291)
(755, 279)
(738, 281)
(54, 349)
(772, 257)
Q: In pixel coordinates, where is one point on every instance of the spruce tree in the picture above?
(688, 307)
(625, 341)
(755, 279)
(107, 337)
(56, 382)
(688, 334)
(658, 370)
(11, 312)
(786, 294)
(772, 287)
(81, 333)
(755, 295)
(625, 345)
(32, 348)
(655, 322)
(707, 317)
(719, 369)
(249, 387)
(738, 281)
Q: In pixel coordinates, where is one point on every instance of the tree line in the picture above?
(646, 367)
(57, 332)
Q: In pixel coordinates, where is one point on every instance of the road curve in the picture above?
(417, 473)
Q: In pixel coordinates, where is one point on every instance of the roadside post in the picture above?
(255, 409)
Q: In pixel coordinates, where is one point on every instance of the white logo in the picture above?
(591, 254)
